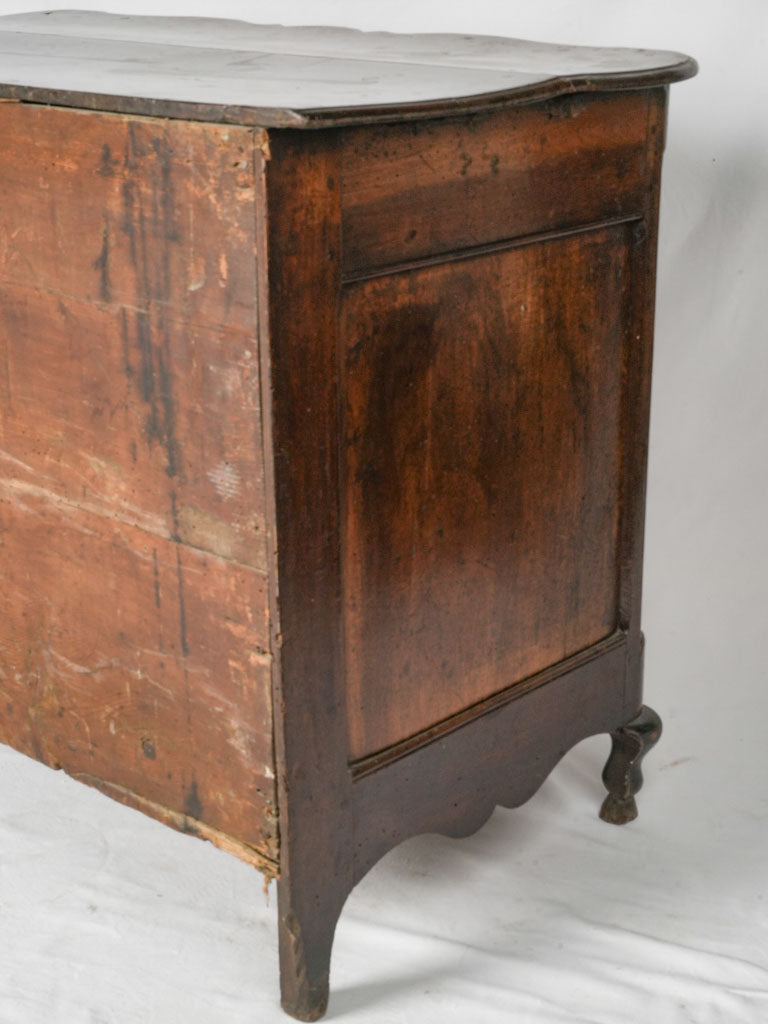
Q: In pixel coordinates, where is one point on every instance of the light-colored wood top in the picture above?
(276, 76)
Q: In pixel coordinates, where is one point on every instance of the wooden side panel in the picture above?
(446, 185)
(153, 423)
(134, 647)
(132, 659)
(127, 309)
(130, 210)
(481, 422)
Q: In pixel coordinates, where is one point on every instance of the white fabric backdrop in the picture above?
(547, 915)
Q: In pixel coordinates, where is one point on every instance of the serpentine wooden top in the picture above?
(276, 76)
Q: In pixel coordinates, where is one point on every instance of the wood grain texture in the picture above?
(299, 256)
(128, 316)
(138, 661)
(322, 453)
(481, 409)
(135, 647)
(130, 210)
(205, 68)
(446, 186)
(451, 786)
(638, 366)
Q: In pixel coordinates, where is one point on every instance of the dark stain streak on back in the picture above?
(101, 263)
(156, 575)
(192, 805)
(127, 365)
(175, 535)
(146, 371)
(128, 226)
(167, 200)
(182, 608)
(166, 399)
(149, 245)
(107, 165)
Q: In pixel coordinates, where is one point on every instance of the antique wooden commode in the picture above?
(324, 367)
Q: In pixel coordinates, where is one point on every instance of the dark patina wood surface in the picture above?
(483, 411)
(499, 394)
(323, 452)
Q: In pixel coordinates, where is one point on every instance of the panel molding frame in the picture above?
(572, 664)
(458, 255)
(629, 229)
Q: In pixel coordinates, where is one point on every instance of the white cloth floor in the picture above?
(546, 915)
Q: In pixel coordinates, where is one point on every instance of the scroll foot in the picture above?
(622, 774)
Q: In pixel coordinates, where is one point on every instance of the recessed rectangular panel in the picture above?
(481, 410)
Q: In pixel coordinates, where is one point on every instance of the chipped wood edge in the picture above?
(183, 823)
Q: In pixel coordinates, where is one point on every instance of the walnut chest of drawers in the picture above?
(324, 369)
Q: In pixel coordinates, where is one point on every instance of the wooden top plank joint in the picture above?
(274, 76)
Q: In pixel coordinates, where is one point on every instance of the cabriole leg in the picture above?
(306, 929)
(622, 774)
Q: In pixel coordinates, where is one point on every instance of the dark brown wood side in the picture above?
(481, 404)
(299, 256)
(444, 187)
(338, 814)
